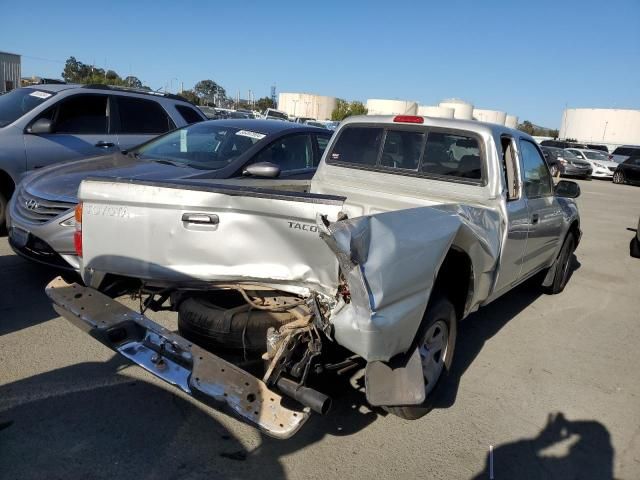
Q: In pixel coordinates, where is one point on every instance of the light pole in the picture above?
(606, 122)
(295, 103)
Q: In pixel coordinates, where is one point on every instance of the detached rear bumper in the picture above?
(175, 360)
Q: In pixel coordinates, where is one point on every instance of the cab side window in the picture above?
(536, 176)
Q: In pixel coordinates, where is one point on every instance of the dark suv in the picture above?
(44, 124)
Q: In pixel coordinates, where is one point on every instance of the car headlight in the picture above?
(599, 165)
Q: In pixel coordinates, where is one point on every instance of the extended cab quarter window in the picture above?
(358, 145)
(82, 114)
(536, 176)
(139, 116)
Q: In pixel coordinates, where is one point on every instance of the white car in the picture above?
(602, 166)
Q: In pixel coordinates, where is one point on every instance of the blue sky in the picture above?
(527, 58)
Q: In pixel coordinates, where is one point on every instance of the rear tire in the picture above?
(554, 171)
(3, 214)
(437, 344)
(563, 268)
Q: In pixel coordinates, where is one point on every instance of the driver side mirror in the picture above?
(40, 126)
(567, 189)
(262, 169)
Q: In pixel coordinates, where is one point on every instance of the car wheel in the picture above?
(554, 171)
(618, 177)
(436, 346)
(563, 268)
(3, 214)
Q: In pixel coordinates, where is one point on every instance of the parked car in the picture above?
(628, 171)
(623, 152)
(569, 165)
(315, 123)
(41, 221)
(602, 148)
(45, 124)
(411, 224)
(273, 114)
(562, 144)
(601, 166)
(552, 161)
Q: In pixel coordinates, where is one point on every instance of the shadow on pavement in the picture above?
(23, 302)
(480, 326)
(92, 422)
(564, 449)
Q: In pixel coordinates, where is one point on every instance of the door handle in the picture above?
(201, 218)
(534, 218)
(103, 144)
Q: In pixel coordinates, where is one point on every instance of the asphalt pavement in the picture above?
(551, 383)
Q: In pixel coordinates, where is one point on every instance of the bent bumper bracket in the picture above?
(175, 360)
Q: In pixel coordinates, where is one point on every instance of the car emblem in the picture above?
(31, 204)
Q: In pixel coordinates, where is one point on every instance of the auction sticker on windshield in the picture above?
(39, 94)
(250, 134)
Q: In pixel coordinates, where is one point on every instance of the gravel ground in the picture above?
(551, 382)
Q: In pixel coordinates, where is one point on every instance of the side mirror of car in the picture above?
(567, 189)
(262, 169)
(42, 125)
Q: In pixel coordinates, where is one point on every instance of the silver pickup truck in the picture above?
(411, 223)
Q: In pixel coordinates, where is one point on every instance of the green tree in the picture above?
(345, 109)
(133, 82)
(191, 96)
(554, 133)
(209, 92)
(527, 127)
(263, 103)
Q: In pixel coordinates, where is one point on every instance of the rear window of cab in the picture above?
(439, 153)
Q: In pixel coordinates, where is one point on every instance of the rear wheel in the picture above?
(618, 177)
(563, 268)
(3, 213)
(554, 171)
(436, 347)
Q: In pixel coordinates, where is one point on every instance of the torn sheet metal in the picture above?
(390, 261)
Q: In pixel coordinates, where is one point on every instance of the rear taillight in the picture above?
(408, 119)
(77, 235)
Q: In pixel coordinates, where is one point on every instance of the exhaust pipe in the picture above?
(316, 401)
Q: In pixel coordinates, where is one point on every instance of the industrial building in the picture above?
(10, 66)
(607, 126)
(435, 111)
(511, 121)
(489, 116)
(308, 105)
(379, 106)
(461, 109)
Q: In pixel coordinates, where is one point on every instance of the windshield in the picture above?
(596, 156)
(204, 146)
(16, 103)
(568, 154)
(276, 114)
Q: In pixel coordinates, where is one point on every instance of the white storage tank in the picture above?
(461, 109)
(379, 106)
(435, 111)
(307, 105)
(489, 116)
(511, 121)
(610, 126)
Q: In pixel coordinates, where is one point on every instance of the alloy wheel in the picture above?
(433, 352)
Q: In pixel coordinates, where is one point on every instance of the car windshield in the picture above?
(16, 103)
(596, 156)
(568, 154)
(204, 145)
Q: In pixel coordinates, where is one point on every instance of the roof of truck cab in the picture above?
(469, 125)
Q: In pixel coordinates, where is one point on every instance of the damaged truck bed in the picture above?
(411, 224)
